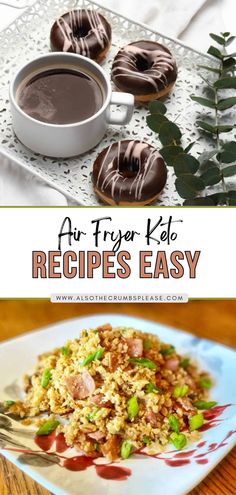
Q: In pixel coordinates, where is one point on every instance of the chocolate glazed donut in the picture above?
(85, 32)
(146, 69)
(129, 172)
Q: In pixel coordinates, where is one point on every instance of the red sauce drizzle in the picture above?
(189, 453)
(113, 472)
(45, 442)
(61, 445)
(215, 412)
(208, 426)
(174, 463)
(78, 463)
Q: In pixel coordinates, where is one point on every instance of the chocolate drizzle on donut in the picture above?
(144, 67)
(85, 32)
(129, 171)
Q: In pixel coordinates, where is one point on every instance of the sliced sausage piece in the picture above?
(151, 418)
(80, 386)
(99, 401)
(135, 347)
(96, 435)
(112, 361)
(186, 404)
(105, 327)
(111, 448)
(172, 364)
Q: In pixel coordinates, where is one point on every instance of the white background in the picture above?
(210, 230)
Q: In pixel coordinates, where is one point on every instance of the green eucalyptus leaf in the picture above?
(232, 198)
(229, 63)
(229, 171)
(219, 198)
(215, 52)
(204, 101)
(188, 185)
(229, 40)
(226, 103)
(157, 107)
(232, 54)
(206, 126)
(168, 153)
(206, 201)
(211, 176)
(169, 132)
(189, 147)
(185, 164)
(224, 128)
(154, 121)
(226, 34)
(225, 83)
(206, 165)
(214, 129)
(228, 154)
(219, 39)
(211, 69)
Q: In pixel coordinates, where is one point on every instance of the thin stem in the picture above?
(218, 142)
(206, 81)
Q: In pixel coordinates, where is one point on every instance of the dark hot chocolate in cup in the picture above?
(60, 96)
(61, 104)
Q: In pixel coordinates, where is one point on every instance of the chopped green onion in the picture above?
(150, 387)
(126, 449)
(88, 359)
(146, 363)
(179, 440)
(184, 363)
(91, 416)
(8, 403)
(165, 351)
(196, 422)
(147, 344)
(47, 427)
(97, 447)
(92, 357)
(205, 383)
(202, 404)
(146, 440)
(132, 407)
(99, 353)
(123, 329)
(174, 423)
(65, 351)
(180, 391)
(46, 377)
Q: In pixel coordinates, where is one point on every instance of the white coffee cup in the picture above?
(68, 140)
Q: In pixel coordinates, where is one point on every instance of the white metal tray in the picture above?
(28, 37)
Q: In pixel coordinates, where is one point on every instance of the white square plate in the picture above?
(64, 472)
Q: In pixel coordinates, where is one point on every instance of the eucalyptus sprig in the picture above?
(195, 175)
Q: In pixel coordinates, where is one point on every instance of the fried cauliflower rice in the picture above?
(115, 390)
